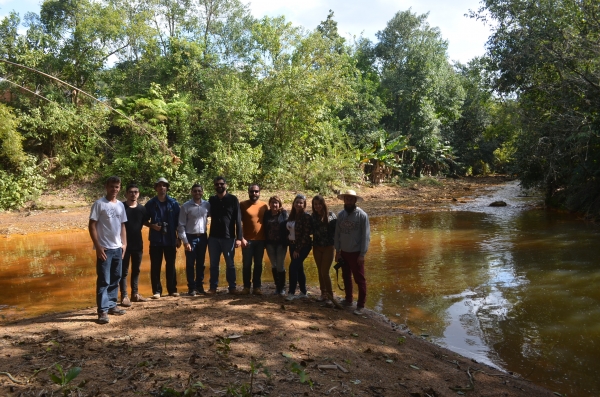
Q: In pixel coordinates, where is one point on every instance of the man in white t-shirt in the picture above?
(107, 230)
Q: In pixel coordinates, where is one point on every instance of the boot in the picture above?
(275, 280)
(281, 280)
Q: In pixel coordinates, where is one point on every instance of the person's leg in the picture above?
(124, 273)
(156, 254)
(294, 267)
(200, 251)
(358, 271)
(301, 275)
(280, 252)
(258, 255)
(228, 247)
(247, 265)
(136, 265)
(171, 274)
(214, 254)
(115, 276)
(347, 276)
(318, 257)
(324, 268)
(190, 264)
(102, 283)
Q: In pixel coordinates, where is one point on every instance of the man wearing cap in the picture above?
(352, 236)
(162, 216)
(192, 232)
(225, 234)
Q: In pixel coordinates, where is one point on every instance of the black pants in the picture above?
(156, 256)
(136, 262)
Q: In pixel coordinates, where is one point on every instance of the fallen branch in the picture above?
(11, 378)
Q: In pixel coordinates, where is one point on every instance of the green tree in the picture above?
(420, 87)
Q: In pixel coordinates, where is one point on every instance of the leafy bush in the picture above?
(22, 185)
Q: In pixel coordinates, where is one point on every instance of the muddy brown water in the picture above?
(514, 288)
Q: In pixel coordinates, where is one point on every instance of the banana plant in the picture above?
(383, 158)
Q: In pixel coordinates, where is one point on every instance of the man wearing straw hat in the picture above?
(351, 241)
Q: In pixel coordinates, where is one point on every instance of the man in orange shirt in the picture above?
(253, 244)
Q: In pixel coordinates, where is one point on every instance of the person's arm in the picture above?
(238, 224)
(365, 238)
(100, 254)
(181, 226)
(336, 240)
(149, 213)
(123, 240)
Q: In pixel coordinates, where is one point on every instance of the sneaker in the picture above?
(174, 294)
(245, 291)
(155, 296)
(346, 303)
(201, 291)
(290, 297)
(103, 318)
(302, 295)
(211, 292)
(192, 293)
(236, 292)
(359, 311)
(257, 291)
(321, 298)
(282, 293)
(125, 301)
(138, 298)
(116, 311)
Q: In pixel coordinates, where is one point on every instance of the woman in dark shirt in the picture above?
(299, 225)
(276, 241)
(324, 229)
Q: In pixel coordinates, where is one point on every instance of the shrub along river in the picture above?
(512, 287)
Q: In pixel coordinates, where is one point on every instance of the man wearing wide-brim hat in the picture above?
(351, 241)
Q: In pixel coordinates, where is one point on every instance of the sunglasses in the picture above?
(254, 191)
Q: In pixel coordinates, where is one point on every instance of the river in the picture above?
(509, 286)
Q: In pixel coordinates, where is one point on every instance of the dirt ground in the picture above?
(228, 345)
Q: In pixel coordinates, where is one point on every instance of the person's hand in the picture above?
(100, 254)
(188, 247)
(123, 248)
(155, 226)
(244, 243)
(296, 254)
(338, 256)
(360, 261)
(238, 243)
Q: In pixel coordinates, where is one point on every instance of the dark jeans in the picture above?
(297, 275)
(254, 251)
(157, 252)
(194, 262)
(352, 268)
(216, 247)
(107, 282)
(136, 263)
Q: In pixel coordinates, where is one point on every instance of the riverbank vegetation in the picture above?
(192, 89)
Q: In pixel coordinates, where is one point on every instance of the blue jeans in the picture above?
(276, 254)
(216, 247)
(254, 250)
(196, 257)
(297, 275)
(107, 283)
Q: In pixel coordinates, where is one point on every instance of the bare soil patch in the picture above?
(209, 346)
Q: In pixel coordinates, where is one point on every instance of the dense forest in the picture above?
(190, 89)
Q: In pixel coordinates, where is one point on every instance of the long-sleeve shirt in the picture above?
(225, 217)
(193, 219)
(323, 233)
(352, 232)
(303, 230)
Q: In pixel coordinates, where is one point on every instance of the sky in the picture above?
(466, 37)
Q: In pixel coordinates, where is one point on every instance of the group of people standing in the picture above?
(255, 226)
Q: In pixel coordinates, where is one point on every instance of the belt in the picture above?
(195, 235)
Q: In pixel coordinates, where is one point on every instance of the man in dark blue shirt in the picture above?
(162, 217)
(225, 234)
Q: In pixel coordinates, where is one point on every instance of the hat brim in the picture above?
(341, 197)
